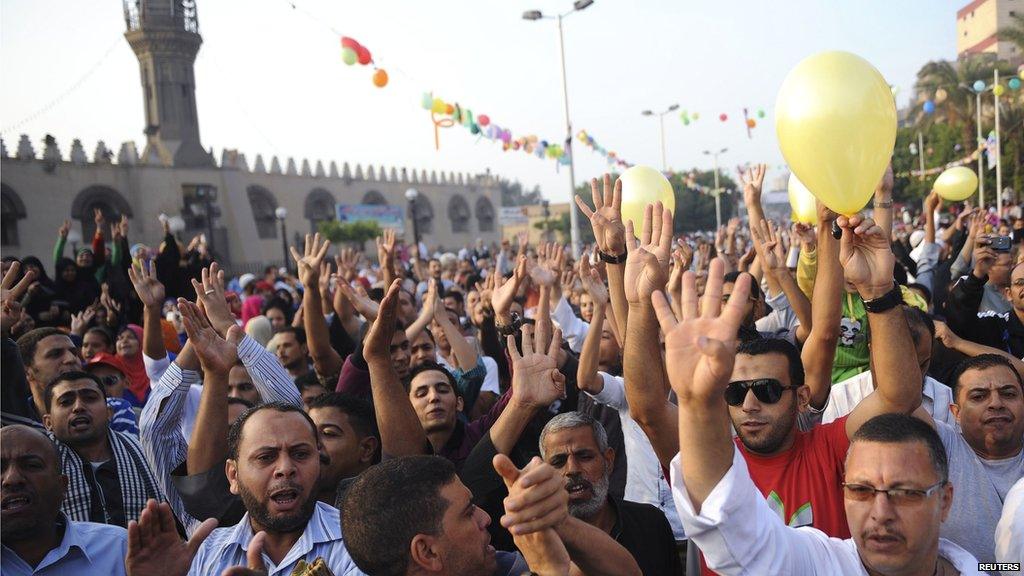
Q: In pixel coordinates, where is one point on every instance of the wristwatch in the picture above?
(510, 328)
(611, 259)
(890, 300)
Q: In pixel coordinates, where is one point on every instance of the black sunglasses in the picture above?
(766, 390)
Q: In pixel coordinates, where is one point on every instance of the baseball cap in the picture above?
(108, 359)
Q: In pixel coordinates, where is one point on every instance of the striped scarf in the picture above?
(133, 474)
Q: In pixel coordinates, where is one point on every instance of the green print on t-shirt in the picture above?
(802, 517)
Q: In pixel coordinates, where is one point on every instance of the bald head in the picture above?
(28, 439)
(32, 485)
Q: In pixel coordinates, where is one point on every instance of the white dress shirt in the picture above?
(844, 396)
(739, 534)
(574, 329)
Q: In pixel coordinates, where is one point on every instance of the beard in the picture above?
(588, 508)
(281, 523)
(771, 439)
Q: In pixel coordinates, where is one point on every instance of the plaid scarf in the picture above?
(133, 474)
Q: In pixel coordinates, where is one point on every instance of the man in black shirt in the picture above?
(577, 445)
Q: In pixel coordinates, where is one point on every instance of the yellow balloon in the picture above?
(802, 202)
(836, 123)
(941, 95)
(956, 184)
(643, 185)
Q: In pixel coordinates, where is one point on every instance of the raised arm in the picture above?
(970, 348)
(771, 253)
(610, 237)
(868, 261)
(326, 360)
(463, 352)
(587, 378)
(151, 292)
(642, 363)
(819, 350)
(700, 350)
(400, 431)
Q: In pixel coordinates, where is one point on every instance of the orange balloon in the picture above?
(751, 123)
(380, 78)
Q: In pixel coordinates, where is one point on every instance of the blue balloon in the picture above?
(929, 107)
(979, 85)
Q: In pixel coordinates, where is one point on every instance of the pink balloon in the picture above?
(723, 117)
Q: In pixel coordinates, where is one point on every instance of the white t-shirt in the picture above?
(1010, 530)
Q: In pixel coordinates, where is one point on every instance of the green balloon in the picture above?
(760, 113)
(349, 56)
(474, 129)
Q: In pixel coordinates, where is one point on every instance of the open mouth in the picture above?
(285, 498)
(79, 422)
(15, 503)
(576, 490)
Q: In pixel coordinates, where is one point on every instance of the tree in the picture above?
(941, 146)
(512, 193)
(352, 232)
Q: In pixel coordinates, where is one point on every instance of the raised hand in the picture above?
(216, 355)
(360, 300)
(536, 496)
(804, 233)
(700, 346)
(536, 381)
(753, 181)
(311, 259)
(606, 217)
(210, 296)
(567, 281)
(97, 216)
(150, 290)
(377, 343)
(504, 291)
(80, 322)
(10, 296)
(64, 229)
(123, 226)
(648, 260)
(549, 262)
(943, 334)
(348, 263)
(866, 256)
(386, 248)
(592, 282)
(154, 547)
(769, 247)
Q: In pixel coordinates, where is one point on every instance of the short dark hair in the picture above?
(235, 431)
(431, 366)
(388, 505)
(104, 333)
(760, 346)
(980, 362)
(734, 276)
(360, 412)
(71, 377)
(919, 322)
(29, 341)
(308, 380)
(299, 332)
(280, 304)
(456, 294)
(896, 428)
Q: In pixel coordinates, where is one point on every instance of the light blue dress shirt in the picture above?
(86, 548)
(226, 547)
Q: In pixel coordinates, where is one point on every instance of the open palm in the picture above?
(647, 264)
(150, 290)
(606, 217)
(536, 380)
(505, 290)
(311, 259)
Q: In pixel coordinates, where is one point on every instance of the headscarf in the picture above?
(79, 294)
(138, 381)
(251, 307)
(258, 328)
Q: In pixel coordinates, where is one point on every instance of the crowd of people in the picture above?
(842, 397)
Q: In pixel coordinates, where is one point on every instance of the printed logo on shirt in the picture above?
(803, 516)
(849, 331)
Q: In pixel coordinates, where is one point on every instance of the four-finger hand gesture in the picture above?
(210, 295)
(536, 381)
(769, 247)
(150, 290)
(592, 282)
(753, 181)
(606, 217)
(312, 258)
(648, 261)
(504, 291)
(154, 547)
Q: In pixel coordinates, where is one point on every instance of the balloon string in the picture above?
(438, 124)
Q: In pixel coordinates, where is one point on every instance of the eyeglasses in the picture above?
(898, 496)
(766, 390)
(110, 380)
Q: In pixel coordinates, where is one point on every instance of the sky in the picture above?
(270, 78)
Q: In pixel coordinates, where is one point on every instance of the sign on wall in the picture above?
(392, 217)
(513, 216)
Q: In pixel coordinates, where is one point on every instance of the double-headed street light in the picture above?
(577, 6)
(661, 122)
(718, 191)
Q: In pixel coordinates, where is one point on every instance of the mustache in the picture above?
(286, 485)
(574, 482)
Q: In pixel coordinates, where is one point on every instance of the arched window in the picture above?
(459, 214)
(485, 214)
(263, 207)
(106, 199)
(13, 209)
(424, 215)
(319, 208)
(374, 198)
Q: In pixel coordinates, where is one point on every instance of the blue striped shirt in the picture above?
(86, 548)
(161, 436)
(226, 547)
(123, 418)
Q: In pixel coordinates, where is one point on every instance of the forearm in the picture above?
(587, 378)
(163, 411)
(508, 428)
(400, 431)
(897, 382)
(152, 334)
(971, 348)
(268, 376)
(58, 250)
(418, 325)
(318, 337)
(798, 301)
(208, 445)
(617, 294)
(705, 445)
(820, 347)
(594, 551)
(463, 352)
(646, 389)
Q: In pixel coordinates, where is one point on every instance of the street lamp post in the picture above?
(718, 191)
(577, 6)
(208, 194)
(411, 195)
(661, 122)
(282, 213)
(979, 88)
(546, 205)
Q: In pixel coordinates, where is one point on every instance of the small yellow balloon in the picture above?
(643, 185)
(941, 95)
(802, 202)
(998, 90)
(956, 184)
(836, 123)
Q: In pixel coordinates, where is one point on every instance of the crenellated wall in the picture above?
(43, 188)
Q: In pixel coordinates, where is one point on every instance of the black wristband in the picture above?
(890, 300)
(610, 259)
(510, 328)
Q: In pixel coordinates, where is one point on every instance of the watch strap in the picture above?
(611, 259)
(890, 300)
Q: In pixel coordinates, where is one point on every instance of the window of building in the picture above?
(11, 210)
(424, 215)
(320, 207)
(459, 214)
(485, 215)
(374, 198)
(263, 207)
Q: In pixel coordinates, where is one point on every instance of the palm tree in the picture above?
(1014, 32)
(958, 109)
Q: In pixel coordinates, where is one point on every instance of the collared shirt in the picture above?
(844, 397)
(740, 534)
(160, 423)
(226, 547)
(645, 478)
(85, 548)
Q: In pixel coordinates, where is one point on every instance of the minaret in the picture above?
(165, 37)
